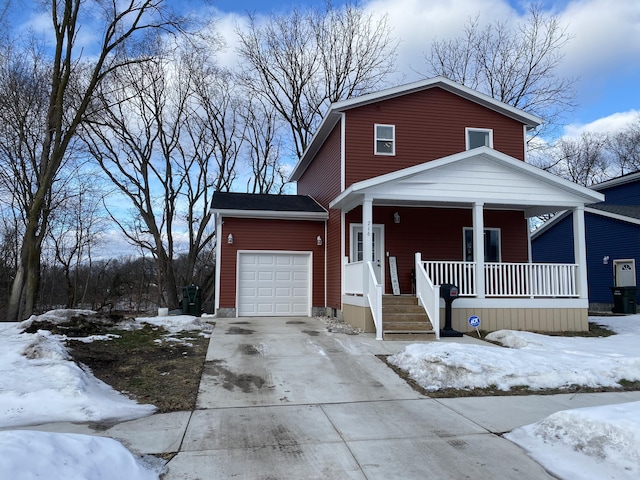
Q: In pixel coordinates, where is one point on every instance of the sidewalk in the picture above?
(281, 398)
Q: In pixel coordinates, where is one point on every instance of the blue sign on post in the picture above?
(474, 321)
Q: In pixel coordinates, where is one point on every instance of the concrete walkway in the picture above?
(281, 398)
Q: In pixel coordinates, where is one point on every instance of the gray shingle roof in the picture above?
(631, 211)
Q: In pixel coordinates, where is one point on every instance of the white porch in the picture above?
(504, 295)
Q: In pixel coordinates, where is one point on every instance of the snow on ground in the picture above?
(588, 443)
(26, 455)
(39, 383)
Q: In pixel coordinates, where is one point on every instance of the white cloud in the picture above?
(606, 36)
(609, 124)
(417, 23)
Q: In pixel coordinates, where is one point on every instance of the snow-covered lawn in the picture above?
(587, 443)
(39, 383)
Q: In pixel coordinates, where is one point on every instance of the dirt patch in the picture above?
(239, 331)
(311, 333)
(147, 364)
(230, 380)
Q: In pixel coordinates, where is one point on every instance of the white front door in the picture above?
(357, 248)
(625, 272)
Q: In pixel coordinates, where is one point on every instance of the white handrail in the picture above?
(428, 295)
(374, 295)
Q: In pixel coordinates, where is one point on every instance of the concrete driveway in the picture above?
(281, 398)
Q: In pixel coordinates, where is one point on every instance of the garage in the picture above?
(274, 284)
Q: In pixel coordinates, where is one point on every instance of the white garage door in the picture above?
(274, 284)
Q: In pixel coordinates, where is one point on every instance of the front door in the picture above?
(625, 272)
(378, 248)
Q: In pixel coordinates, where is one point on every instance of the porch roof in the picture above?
(461, 180)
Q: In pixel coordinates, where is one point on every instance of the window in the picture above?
(491, 244)
(385, 139)
(479, 137)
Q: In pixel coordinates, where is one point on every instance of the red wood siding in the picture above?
(255, 234)
(429, 124)
(322, 178)
(334, 260)
(322, 181)
(438, 234)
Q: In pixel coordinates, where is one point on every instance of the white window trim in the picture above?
(376, 139)
(464, 236)
(472, 129)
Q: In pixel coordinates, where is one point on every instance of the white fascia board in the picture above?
(272, 214)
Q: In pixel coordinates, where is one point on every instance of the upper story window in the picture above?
(385, 139)
(479, 137)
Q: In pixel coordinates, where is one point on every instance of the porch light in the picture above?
(319, 240)
(605, 260)
(230, 239)
(396, 217)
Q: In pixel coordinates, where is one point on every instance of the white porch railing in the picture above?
(508, 279)
(374, 296)
(460, 274)
(428, 295)
(353, 277)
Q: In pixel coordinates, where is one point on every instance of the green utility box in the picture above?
(191, 300)
(624, 299)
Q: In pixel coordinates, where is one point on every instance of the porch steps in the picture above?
(404, 320)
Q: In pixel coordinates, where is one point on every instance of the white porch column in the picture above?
(367, 240)
(478, 247)
(580, 250)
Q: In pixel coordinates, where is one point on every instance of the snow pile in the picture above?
(61, 456)
(178, 323)
(57, 316)
(586, 443)
(39, 383)
(533, 360)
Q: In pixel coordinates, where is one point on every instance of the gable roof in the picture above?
(337, 109)
(478, 175)
(260, 205)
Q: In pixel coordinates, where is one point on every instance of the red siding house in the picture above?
(400, 192)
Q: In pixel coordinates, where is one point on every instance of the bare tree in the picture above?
(268, 175)
(75, 229)
(516, 64)
(134, 136)
(625, 148)
(70, 88)
(302, 61)
(584, 160)
(168, 134)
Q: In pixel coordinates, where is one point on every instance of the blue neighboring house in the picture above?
(612, 230)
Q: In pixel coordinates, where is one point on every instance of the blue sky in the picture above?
(604, 53)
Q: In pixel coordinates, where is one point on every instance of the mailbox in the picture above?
(448, 293)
